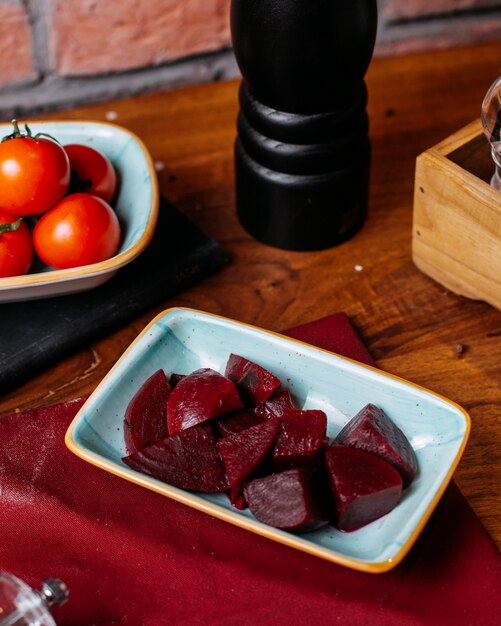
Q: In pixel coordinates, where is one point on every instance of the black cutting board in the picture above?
(35, 333)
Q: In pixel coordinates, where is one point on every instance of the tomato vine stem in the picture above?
(27, 134)
(7, 228)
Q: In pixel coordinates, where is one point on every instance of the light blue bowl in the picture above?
(136, 206)
(182, 340)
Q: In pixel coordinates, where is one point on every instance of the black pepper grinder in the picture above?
(302, 154)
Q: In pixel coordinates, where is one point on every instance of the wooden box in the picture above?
(456, 235)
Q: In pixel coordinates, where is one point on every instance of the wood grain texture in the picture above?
(457, 217)
(411, 324)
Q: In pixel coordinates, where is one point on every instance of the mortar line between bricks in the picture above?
(37, 11)
(58, 93)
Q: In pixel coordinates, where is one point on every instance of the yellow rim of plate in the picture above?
(115, 262)
(253, 525)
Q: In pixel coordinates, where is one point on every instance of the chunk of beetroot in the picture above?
(373, 431)
(364, 486)
(254, 383)
(278, 404)
(236, 422)
(300, 440)
(175, 378)
(295, 500)
(244, 453)
(189, 460)
(199, 397)
(236, 367)
(144, 420)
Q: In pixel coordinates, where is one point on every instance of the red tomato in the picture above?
(34, 174)
(80, 230)
(94, 167)
(16, 249)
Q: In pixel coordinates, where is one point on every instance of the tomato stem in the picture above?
(7, 228)
(16, 128)
(19, 134)
(35, 137)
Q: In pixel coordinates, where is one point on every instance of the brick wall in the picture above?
(92, 37)
(57, 53)
(408, 26)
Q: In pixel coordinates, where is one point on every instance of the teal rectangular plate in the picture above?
(183, 340)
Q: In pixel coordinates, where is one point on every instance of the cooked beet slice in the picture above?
(373, 431)
(144, 420)
(198, 397)
(236, 367)
(175, 378)
(189, 460)
(295, 500)
(236, 422)
(300, 440)
(245, 452)
(364, 486)
(254, 383)
(278, 404)
(257, 384)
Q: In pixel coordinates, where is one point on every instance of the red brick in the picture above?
(409, 9)
(16, 54)
(99, 36)
(447, 37)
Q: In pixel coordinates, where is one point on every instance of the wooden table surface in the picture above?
(410, 323)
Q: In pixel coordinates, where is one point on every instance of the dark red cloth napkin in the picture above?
(133, 557)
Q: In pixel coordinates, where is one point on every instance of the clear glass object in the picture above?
(20, 605)
(491, 120)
